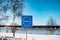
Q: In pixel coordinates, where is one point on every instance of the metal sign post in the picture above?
(26, 33)
(26, 23)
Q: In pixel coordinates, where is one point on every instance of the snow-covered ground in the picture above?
(32, 36)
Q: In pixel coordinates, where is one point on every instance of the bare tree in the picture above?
(16, 7)
(51, 23)
(17, 10)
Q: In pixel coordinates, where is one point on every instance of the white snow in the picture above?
(33, 36)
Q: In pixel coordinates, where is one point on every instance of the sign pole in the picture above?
(26, 32)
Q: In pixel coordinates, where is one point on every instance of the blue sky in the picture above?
(41, 10)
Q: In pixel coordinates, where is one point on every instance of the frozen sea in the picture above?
(33, 31)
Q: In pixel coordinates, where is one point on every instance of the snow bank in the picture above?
(33, 36)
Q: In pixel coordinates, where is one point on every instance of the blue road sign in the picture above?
(26, 21)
